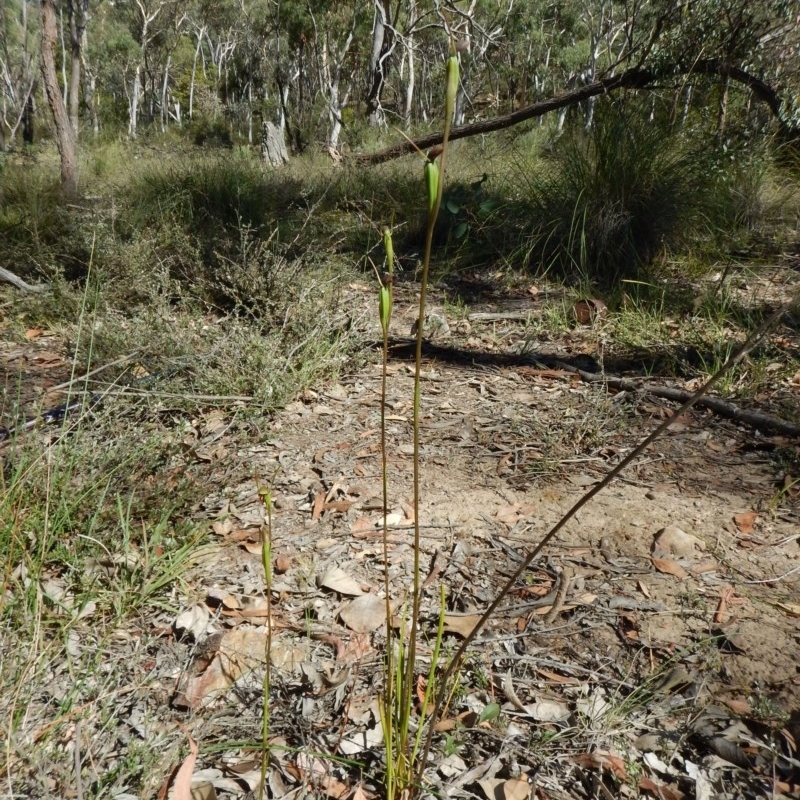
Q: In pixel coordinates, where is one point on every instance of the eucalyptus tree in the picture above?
(19, 70)
(65, 139)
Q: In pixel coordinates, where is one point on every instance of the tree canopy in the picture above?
(327, 72)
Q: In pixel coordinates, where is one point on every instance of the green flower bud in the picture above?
(385, 308)
(389, 247)
(452, 86)
(432, 183)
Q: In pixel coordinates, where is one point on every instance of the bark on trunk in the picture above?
(722, 111)
(273, 145)
(64, 139)
(75, 38)
(382, 45)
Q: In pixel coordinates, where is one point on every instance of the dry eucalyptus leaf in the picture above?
(193, 621)
(337, 580)
(670, 567)
(582, 480)
(547, 711)
(516, 789)
(222, 598)
(461, 624)
(364, 614)
(490, 787)
(254, 548)
(362, 525)
(182, 786)
(745, 521)
(237, 652)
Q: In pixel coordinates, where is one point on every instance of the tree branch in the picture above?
(15, 280)
(635, 78)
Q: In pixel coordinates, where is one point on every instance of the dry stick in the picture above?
(86, 375)
(455, 662)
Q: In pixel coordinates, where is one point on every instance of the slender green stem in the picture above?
(388, 709)
(266, 562)
(408, 682)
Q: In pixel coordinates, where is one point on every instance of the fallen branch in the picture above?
(632, 78)
(15, 280)
(756, 419)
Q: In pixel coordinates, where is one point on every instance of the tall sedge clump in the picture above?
(403, 766)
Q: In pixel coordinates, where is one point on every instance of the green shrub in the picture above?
(609, 200)
(211, 133)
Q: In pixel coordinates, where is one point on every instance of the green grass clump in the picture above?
(606, 202)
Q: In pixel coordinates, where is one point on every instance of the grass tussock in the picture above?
(606, 203)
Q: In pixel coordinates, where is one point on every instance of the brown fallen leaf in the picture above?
(670, 567)
(793, 609)
(556, 678)
(219, 597)
(745, 521)
(260, 611)
(233, 654)
(516, 789)
(254, 548)
(364, 614)
(461, 624)
(182, 787)
(337, 580)
(362, 525)
(739, 706)
(603, 761)
(339, 505)
(660, 790)
(319, 504)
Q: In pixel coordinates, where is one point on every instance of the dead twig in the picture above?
(15, 280)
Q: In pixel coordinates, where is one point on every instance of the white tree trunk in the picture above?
(134, 101)
(197, 49)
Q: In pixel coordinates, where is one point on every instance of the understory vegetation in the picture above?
(189, 277)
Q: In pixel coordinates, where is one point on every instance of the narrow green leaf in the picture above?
(490, 712)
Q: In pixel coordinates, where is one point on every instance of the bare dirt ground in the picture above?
(652, 649)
